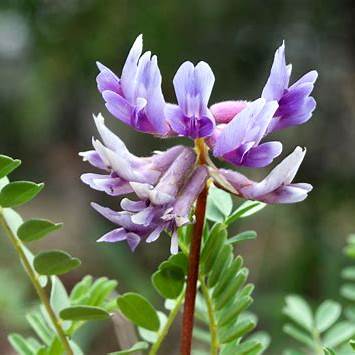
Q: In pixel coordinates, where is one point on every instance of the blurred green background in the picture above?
(48, 50)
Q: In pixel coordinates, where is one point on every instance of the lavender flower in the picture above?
(164, 206)
(277, 187)
(193, 87)
(295, 104)
(239, 141)
(167, 184)
(136, 98)
(120, 165)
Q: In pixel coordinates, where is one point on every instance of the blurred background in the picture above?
(48, 50)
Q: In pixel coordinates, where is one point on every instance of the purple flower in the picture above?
(193, 87)
(238, 142)
(277, 187)
(136, 98)
(295, 104)
(120, 165)
(164, 206)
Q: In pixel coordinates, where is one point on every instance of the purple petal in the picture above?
(107, 80)
(310, 77)
(129, 70)
(111, 185)
(204, 81)
(132, 206)
(116, 235)
(94, 159)
(174, 177)
(155, 234)
(287, 194)
(279, 76)
(262, 155)
(189, 194)
(162, 160)
(133, 240)
(282, 174)
(118, 106)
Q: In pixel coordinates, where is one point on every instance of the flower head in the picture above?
(295, 104)
(166, 184)
(136, 98)
(193, 87)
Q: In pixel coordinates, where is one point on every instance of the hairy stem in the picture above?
(194, 259)
(32, 274)
(211, 318)
(164, 331)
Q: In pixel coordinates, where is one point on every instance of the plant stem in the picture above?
(194, 259)
(211, 318)
(164, 331)
(32, 274)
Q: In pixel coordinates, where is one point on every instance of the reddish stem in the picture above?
(192, 276)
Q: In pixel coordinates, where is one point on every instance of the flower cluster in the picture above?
(167, 184)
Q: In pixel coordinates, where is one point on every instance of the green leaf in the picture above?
(246, 209)
(328, 351)
(338, 334)
(223, 261)
(149, 335)
(40, 326)
(83, 313)
(299, 311)
(101, 288)
(230, 313)
(81, 289)
(141, 345)
(169, 281)
(219, 204)
(352, 344)
(21, 345)
(348, 291)
(7, 165)
(19, 192)
(35, 229)
(55, 262)
(138, 310)
(298, 334)
(3, 181)
(59, 298)
(179, 260)
(247, 235)
(212, 247)
(326, 315)
(229, 333)
(248, 347)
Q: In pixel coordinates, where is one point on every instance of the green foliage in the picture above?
(142, 345)
(139, 310)
(35, 229)
(7, 165)
(327, 331)
(55, 262)
(19, 192)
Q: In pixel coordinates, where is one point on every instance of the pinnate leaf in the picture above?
(83, 313)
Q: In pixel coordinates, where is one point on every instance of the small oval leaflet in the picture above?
(7, 165)
(55, 262)
(35, 229)
(169, 281)
(81, 313)
(137, 309)
(19, 192)
(141, 345)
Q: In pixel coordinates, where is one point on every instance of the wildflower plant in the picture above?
(180, 194)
